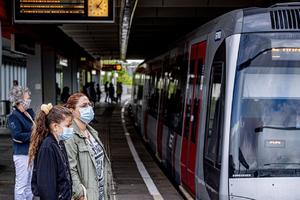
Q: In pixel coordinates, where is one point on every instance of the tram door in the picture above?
(192, 114)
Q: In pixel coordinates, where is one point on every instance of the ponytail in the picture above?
(39, 133)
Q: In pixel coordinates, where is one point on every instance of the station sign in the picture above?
(111, 67)
(64, 11)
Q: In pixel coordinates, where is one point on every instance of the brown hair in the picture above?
(73, 100)
(41, 128)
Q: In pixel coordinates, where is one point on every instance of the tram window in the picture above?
(187, 119)
(200, 71)
(140, 92)
(173, 115)
(195, 122)
(192, 71)
(153, 95)
(197, 99)
(213, 130)
(213, 136)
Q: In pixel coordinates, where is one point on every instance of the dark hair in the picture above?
(66, 89)
(41, 128)
(73, 100)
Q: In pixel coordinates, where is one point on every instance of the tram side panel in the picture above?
(137, 98)
(174, 87)
(154, 71)
(177, 152)
(161, 121)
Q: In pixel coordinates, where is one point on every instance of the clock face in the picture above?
(98, 8)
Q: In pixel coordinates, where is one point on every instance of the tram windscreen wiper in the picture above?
(242, 159)
(261, 128)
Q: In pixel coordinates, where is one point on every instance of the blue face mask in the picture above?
(67, 133)
(86, 114)
(26, 103)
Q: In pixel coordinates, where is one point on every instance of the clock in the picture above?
(98, 8)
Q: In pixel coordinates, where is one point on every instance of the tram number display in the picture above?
(64, 11)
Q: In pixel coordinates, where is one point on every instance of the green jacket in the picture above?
(83, 166)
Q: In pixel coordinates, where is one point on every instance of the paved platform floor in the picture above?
(7, 169)
(129, 183)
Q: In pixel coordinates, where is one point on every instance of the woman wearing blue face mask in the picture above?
(51, 178)
(89, 163)
(20, 122)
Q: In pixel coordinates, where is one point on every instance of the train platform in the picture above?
(136, 174)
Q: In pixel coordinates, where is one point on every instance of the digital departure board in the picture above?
(64, 11)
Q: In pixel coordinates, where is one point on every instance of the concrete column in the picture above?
(67, 76)
(74, 65)
(49, 75)
(34, 78)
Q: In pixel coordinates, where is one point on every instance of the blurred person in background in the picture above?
(119, 92)
(111, 91)
(93, 94)
(98, 91)
(106, 89)
(65, 94)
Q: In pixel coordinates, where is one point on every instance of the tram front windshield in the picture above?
(265, 122)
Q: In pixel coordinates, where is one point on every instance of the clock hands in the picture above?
(98, 5)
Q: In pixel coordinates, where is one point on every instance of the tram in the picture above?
(221, 108)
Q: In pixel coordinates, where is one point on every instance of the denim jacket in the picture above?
(21, 127)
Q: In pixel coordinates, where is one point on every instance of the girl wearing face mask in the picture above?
(51, 178)
(20, 122)
(89, 163)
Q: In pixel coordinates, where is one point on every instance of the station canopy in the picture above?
(145, 28)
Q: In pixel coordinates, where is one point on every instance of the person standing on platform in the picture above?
(15, 84)
(98, 91)
(119, 91)
(51, 178)
(20, 122)
(58, 91)
(106, 89)
(65, 94)
(89, 163)
(111, 92)
(93, 94)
